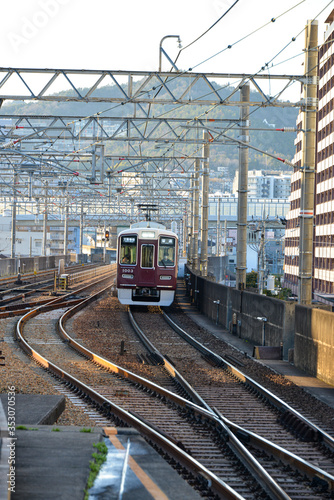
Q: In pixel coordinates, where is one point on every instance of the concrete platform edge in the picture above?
(4, 455)
(54, 413)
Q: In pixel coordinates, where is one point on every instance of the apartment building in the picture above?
(265, 184)
(323, 237)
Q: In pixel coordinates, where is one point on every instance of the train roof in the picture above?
(142, 227)
(148, 223)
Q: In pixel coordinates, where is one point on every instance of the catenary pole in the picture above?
(241, 266)
(218, 238)
(45, 219)
(196, 214)
(309, 112)
(66, 216)
(190, 223)
(13, 242)
(205, 206)
(81, 229)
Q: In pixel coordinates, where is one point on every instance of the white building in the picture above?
(29, 237)
(263, 184)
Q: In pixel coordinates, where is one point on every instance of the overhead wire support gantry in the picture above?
(135, 87)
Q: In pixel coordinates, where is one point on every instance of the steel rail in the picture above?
(52, 304)
(235, 444)
(256, 470)
(249, 437)
(108, 407)
(233, 433)
(253, 466)
(21, 309)
(196, 398)
(32, 288)
(283, 407)
(28, 275)
(312, 472)
(108, 364)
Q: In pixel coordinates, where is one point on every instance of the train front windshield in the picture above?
(128, 252)
(166, 251)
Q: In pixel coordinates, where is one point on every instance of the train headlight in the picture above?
(165, 277)
(127, 276)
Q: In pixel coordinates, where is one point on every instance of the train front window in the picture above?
(128, 252)
(147, 255)
(166, 251)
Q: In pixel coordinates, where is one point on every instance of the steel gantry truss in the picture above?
(136, 87)
(143, 145)
(44, 130)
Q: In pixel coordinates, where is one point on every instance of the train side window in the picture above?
(147, 255)
(128, 252)
(166, 251)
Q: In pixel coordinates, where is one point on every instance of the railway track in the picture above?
(128, 389)
(14, 288)
(247, 408)
(188, 432)
(77, 275)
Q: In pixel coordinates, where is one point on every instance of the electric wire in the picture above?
(207, 31)
(254, 31)
(272, 20)
(180, 74)
(99, 113)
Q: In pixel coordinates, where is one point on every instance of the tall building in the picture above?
(266, 184)
(323, 282)
(323, 237)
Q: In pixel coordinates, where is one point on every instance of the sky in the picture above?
(116, 35)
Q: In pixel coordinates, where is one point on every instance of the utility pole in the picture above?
(241, 266)
(205, 206)
(15, 182)
(45, 218)
(185, 232)
(261, 259)
(308, 164)
(104, 242)
(196, 215)
(66, 226)
(218, 242)
(190, 222)
(81, 229)
(262, 253)
(225, 251)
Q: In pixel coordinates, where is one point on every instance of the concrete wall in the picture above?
(314, 342)
(238, 311)
(10, 267)
(79, 258)
(309, 330)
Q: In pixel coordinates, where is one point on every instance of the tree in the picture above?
(251, 279)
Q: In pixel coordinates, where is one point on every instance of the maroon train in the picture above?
(147, 265)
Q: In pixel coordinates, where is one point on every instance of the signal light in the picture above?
(107, 235)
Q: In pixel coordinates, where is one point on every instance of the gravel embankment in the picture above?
(27, 378)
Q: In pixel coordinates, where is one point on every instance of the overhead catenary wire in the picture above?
(243, 38)
(179, 74)
(272, 20)
(206, 31)
(99, 113)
